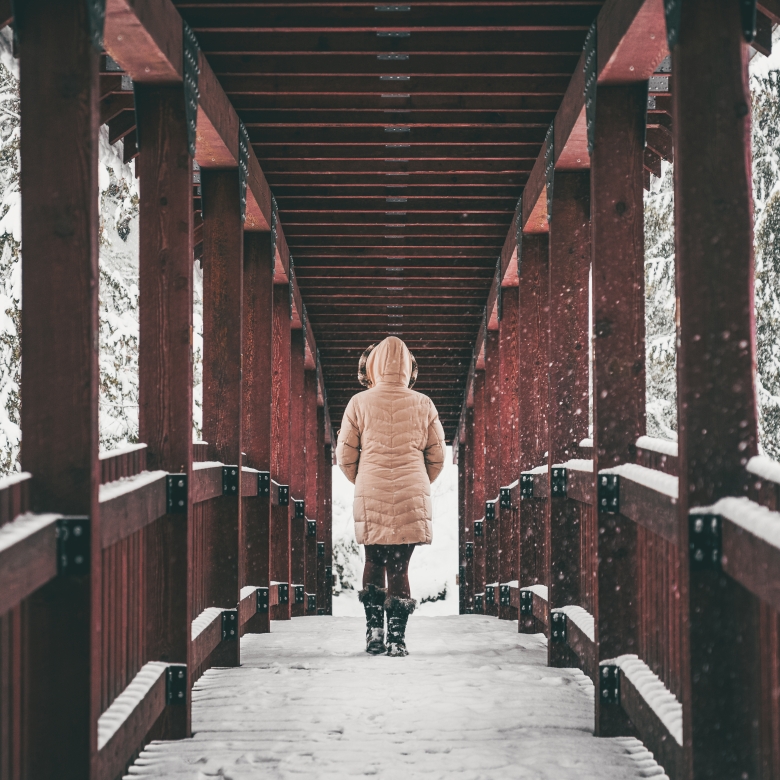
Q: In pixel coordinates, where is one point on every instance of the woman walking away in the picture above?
(391, 446)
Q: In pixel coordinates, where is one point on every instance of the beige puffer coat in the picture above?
(391, 445)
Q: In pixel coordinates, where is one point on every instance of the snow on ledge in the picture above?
(539, 590)
(764, 467)
(119, 487)
(586, 443)
(121, 451)
(14, 479)
(581, 618)
(747, 514)
(655, 480)
(512, 584)
(25, 525)
(537, 470)
(122, 707)
(246, 591)
(511, 485)
(207, 464)
(204, 620)
(576, 464)
(662, 446)
(650, 687)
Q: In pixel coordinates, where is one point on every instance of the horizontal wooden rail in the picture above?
(766, 486)
(660, 454)
(206, 481)
(206, 634)
(127, 505)
(537, 601)
(122, 462)
(579, 633)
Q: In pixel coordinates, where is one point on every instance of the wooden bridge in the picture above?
(468, 177)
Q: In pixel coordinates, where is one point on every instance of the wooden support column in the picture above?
(568, 391)
(479, 482)
(715, 377)
(256, 410)
(297, 467)
(327, 493)
(313, 461)
(281, 528)
(223, 273)
(322, 526)
(462, 523)
(165, 368)
(59, 413)
(618, 306)
(533, 392)
(509, 437)
(492, 472)
(468, 455)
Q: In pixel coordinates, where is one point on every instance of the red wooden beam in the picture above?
(297, 445)
(313, 477)
(478, 498)
(493, 423)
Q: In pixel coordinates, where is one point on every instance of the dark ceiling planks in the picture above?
(397, 139)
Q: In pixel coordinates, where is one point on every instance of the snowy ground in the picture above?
(473, 700)
(433, 568)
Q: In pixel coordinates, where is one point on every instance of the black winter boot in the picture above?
(373, 599)
(398, 611)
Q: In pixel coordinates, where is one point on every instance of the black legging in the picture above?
(392, 560)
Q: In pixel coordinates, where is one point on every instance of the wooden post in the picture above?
(281, 569)
(322, 526)
(715, 376)
(618, 306)
(165, 367)
(468, 455)
(297, 467)
(327, 492)
(313, 460)
(479, 481)
(223, 273)
(462, 523)
(533, 392)
(568, 389)
(60, 373)
(256, 410)
(492, 460)
(509, 436)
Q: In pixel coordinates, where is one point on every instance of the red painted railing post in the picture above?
(313, 477)
(256, 409)
(59, 416)
(462, 522)
(323, 532)
(327, 493)
(533, 340)
(715, 373)
(618, 311)
(568, 405)
(492, 463)
(468, 489)
(297, 468)
(165, 366)
(281, 527)
(223, 275)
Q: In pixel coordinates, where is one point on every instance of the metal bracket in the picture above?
(320, 549)
(490, 510)
(469, 549)
(747, 13)
(558, 483)
(505, 498)
(558, 627)
(73, 546)
(704, 541)
(264, 483)
(462, 575)
(504, 596)
(549, 166)
(311, 602)
(609, 684)
(329, 576)
(609, 493)
(243, 166)
(262, 600)
(478, 602)
(230, 480)
(311, 529)
(191, 52)
(300, 509)
(672, 10)
(478, 528)
(590, 70)
(284, 592)
(229, 625)
(526, 486)
(490, 594)
(96, 13)
(176, 493)
(526, 602)
(299, 594)
(320, 610)
(176, 684)
(284, 495)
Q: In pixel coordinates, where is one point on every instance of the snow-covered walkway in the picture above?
(473, 700)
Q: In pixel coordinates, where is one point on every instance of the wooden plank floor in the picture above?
(473, 700)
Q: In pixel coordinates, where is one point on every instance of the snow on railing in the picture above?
(124, 450)
(539, 590)
(764, 467)
(758, 520)
(581, 618)
(204, 620)
(575, 464)
(655, 480)
(661, 446)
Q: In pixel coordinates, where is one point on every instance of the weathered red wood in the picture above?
(281, 569)
(313, 476)
(468, 489)
(479, 480)
(327, 492)
(715, 367)
(509, 436)
(60, 374)
(297, 465)
(223, 273)
(462, 523)
(618, 311)
(569, 265)
(492, 472)
(256, 409)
